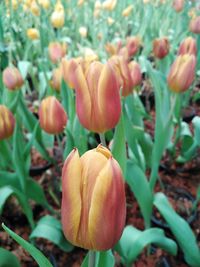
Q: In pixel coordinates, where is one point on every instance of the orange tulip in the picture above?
(52, 116)
(56, 79)
(125, 73)
(93, 199)
(182, 73)
(57, 51)
(188, 46)
(133, 44)
(195, 25)
(97, 97)
(160, 47)
(135, 72)
(12, 78)
(7, 122)
(68, 68)
(178, 5)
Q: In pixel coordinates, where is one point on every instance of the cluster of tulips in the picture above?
(93, 208)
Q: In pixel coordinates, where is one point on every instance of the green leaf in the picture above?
(180, 229)
(5, 193)
(119, 145)
(80, 136)
(139, 185)
(8, 259)
(34, 252)
(18, 158)
(50, 228)
(105, 259)
(24, 68)
(134, 241)
(36, 193)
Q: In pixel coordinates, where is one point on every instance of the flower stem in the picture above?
(102, 139)
(92, 258)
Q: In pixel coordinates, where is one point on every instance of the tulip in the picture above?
(56, 79)
(12, 78)
(195, 25)
(160, 47)
(57, 51)
(58, 18)
(33, 34)
(83, 31)
(35, 8)
(178, 5)
(68, 68)
(52, 116)
(135, 72)
(123, 73)
(127, 11)
(93, 199)
(7, 122)
(182, 73)
(113, 49)
(97, 97)
(110, 20)
(44, 3)
(109, 4)
(188, 46)
(133, 43)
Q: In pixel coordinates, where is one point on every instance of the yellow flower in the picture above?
(33, 34)
(127, 11)
(83, 31)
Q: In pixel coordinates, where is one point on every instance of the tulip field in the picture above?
(99, 133)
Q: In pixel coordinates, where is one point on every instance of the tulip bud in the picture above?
(35, 8)
(188, 46)
(52, 116)
(195, 25)
(58, 19)
(68, 68)
(123, 73)
(160, 47)
(33, 34)
(83, 31)
(7, 122)
(97, 97)
(178, 5)
(56, 79)
(93, 206)
(135, 72)
(127, 11)
(133, 43)
(182, 73)
(12, 78)
(57, 51)
(109, 4)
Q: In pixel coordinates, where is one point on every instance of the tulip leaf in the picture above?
(34, 252)
(139, 185)
(133, 241)
(8, 259)
(24, 68)
(5, 193)
(5, 154)
(50, 228)
(105, 259)
(119, 145)
(80, 136)
(180, 229)
(36, 193)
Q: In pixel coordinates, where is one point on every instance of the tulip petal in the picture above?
(71, 196)
(108, 98)
(83, 98)
(106, 222)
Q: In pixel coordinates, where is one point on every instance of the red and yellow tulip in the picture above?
(7, 122)
(93, 199)
(12, 78)
(97, 97)
(52, 116)
(182, 73)
(161, 47)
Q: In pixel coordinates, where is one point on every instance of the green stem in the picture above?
(102, 139)
(92, 258)
(59, 144)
